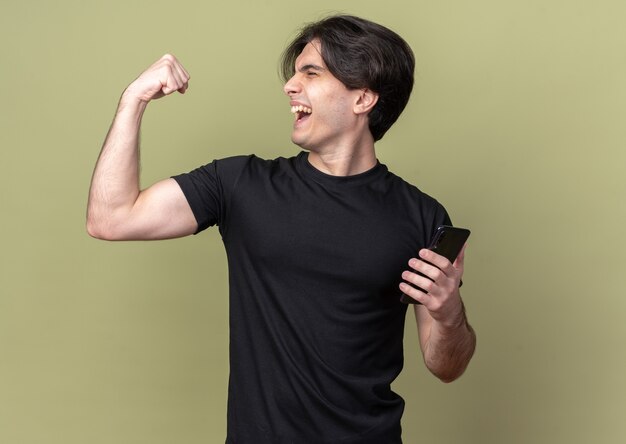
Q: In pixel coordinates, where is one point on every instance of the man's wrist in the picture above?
(131, 103)
(456, 322)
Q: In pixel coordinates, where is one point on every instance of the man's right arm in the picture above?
(117, 208)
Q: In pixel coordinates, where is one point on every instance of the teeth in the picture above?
(301, 109)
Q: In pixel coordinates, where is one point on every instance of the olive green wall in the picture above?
(516, 125)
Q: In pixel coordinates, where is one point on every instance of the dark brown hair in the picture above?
(361, 54)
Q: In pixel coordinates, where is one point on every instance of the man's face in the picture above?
(322, 105)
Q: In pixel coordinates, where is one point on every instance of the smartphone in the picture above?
(448, 242)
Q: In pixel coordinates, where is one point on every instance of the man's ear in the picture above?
(366, 101)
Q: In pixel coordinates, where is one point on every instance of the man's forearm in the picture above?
(449, 349)
(115, 181)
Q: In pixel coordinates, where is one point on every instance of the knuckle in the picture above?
(427, 286)
(435, 305)
(411, 291)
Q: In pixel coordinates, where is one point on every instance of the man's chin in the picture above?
(301, 144)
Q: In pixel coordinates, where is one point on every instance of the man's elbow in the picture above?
(449, 375)
(101, 230)
(94, 230)
(451, 369)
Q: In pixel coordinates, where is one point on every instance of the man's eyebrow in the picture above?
(311, 66)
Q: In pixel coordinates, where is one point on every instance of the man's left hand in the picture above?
(440, 282)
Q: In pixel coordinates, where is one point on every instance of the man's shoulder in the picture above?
(412, 194)
(407, 185)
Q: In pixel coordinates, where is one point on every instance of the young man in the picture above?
(320, 246)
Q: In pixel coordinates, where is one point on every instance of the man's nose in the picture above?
(292, 86)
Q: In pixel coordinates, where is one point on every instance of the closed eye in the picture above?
(311, 70)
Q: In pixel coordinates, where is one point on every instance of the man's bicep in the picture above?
(161, 212)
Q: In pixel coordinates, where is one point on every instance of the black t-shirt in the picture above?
(316, 326)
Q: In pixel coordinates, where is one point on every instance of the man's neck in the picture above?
(343, 164)
(345, 160)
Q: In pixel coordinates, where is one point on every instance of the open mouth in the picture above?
(301, 112)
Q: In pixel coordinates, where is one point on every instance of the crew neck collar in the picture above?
(329, 179)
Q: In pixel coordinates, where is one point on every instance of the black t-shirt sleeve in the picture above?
(438, 216)
(442, 217)
(209, 188)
